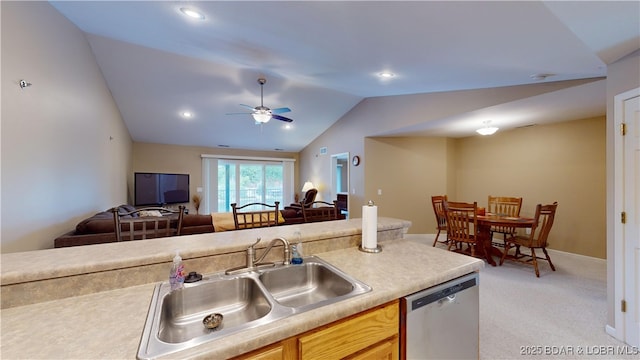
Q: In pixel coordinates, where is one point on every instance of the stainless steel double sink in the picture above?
(246, 300)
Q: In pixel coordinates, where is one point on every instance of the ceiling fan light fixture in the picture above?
(194, 14)
(261, 116)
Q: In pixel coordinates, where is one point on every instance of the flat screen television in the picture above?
(159, 189)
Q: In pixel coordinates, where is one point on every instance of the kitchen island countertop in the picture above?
(108, 325)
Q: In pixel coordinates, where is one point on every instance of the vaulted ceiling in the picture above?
(321, 58)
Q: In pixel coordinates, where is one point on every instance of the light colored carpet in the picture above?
(561, 315)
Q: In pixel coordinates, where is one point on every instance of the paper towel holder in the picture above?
(375, 250)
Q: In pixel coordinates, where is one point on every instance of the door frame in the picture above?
(334, 164)
(621, 282)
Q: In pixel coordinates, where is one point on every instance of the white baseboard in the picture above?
(612, 331)
(603, 261)
(578, 255)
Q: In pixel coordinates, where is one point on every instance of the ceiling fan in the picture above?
(262, 114)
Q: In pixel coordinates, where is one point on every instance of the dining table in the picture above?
(486, 221)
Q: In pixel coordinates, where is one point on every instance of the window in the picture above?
(245, 180)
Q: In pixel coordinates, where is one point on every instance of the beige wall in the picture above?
(65, 149)
(563, 162)
(408, 171)
(187, 160)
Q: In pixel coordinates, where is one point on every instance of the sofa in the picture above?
(99, 228)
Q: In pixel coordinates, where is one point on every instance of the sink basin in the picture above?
(240, 300)
(245, 300)
(311, 283)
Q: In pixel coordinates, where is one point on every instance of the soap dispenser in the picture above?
(176, 274)
(296, 257)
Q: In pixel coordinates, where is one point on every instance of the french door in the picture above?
(244, 182)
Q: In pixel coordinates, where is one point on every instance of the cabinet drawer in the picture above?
(352, 335)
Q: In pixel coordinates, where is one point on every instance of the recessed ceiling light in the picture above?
(540, 77)
(192, 13)
(386, 75)
(187, 114)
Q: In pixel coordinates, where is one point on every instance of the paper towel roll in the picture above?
(369, 226)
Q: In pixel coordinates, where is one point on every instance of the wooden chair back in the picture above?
(504, 206)
(255, 215)
(545, 214)
(438, 210)
(441, 218)
(147, 223)
(320, 211)
(462, 223)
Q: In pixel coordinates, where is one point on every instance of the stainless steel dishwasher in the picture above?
(442, 322)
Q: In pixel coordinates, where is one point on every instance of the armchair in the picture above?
(309, 198)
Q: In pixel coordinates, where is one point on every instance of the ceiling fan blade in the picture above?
(281, 118)
(247, 106)
(281, 110)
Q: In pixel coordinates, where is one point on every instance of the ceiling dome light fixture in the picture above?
(386, 75)
(187, 114)
(487, 129)
(192, 13)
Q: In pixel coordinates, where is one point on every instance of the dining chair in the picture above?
(147, 223)
(462, 224)
(255, 215)
(441, 219)
(320, 211)
(544, 217)
(504, 206)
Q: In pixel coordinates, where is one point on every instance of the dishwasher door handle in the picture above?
(447, 300)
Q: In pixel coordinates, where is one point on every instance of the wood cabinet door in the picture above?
(372, 334)
(347, 337)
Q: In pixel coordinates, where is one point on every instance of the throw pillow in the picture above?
(150, 213)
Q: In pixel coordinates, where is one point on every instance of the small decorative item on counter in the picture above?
(196, 202)
(176, 274)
